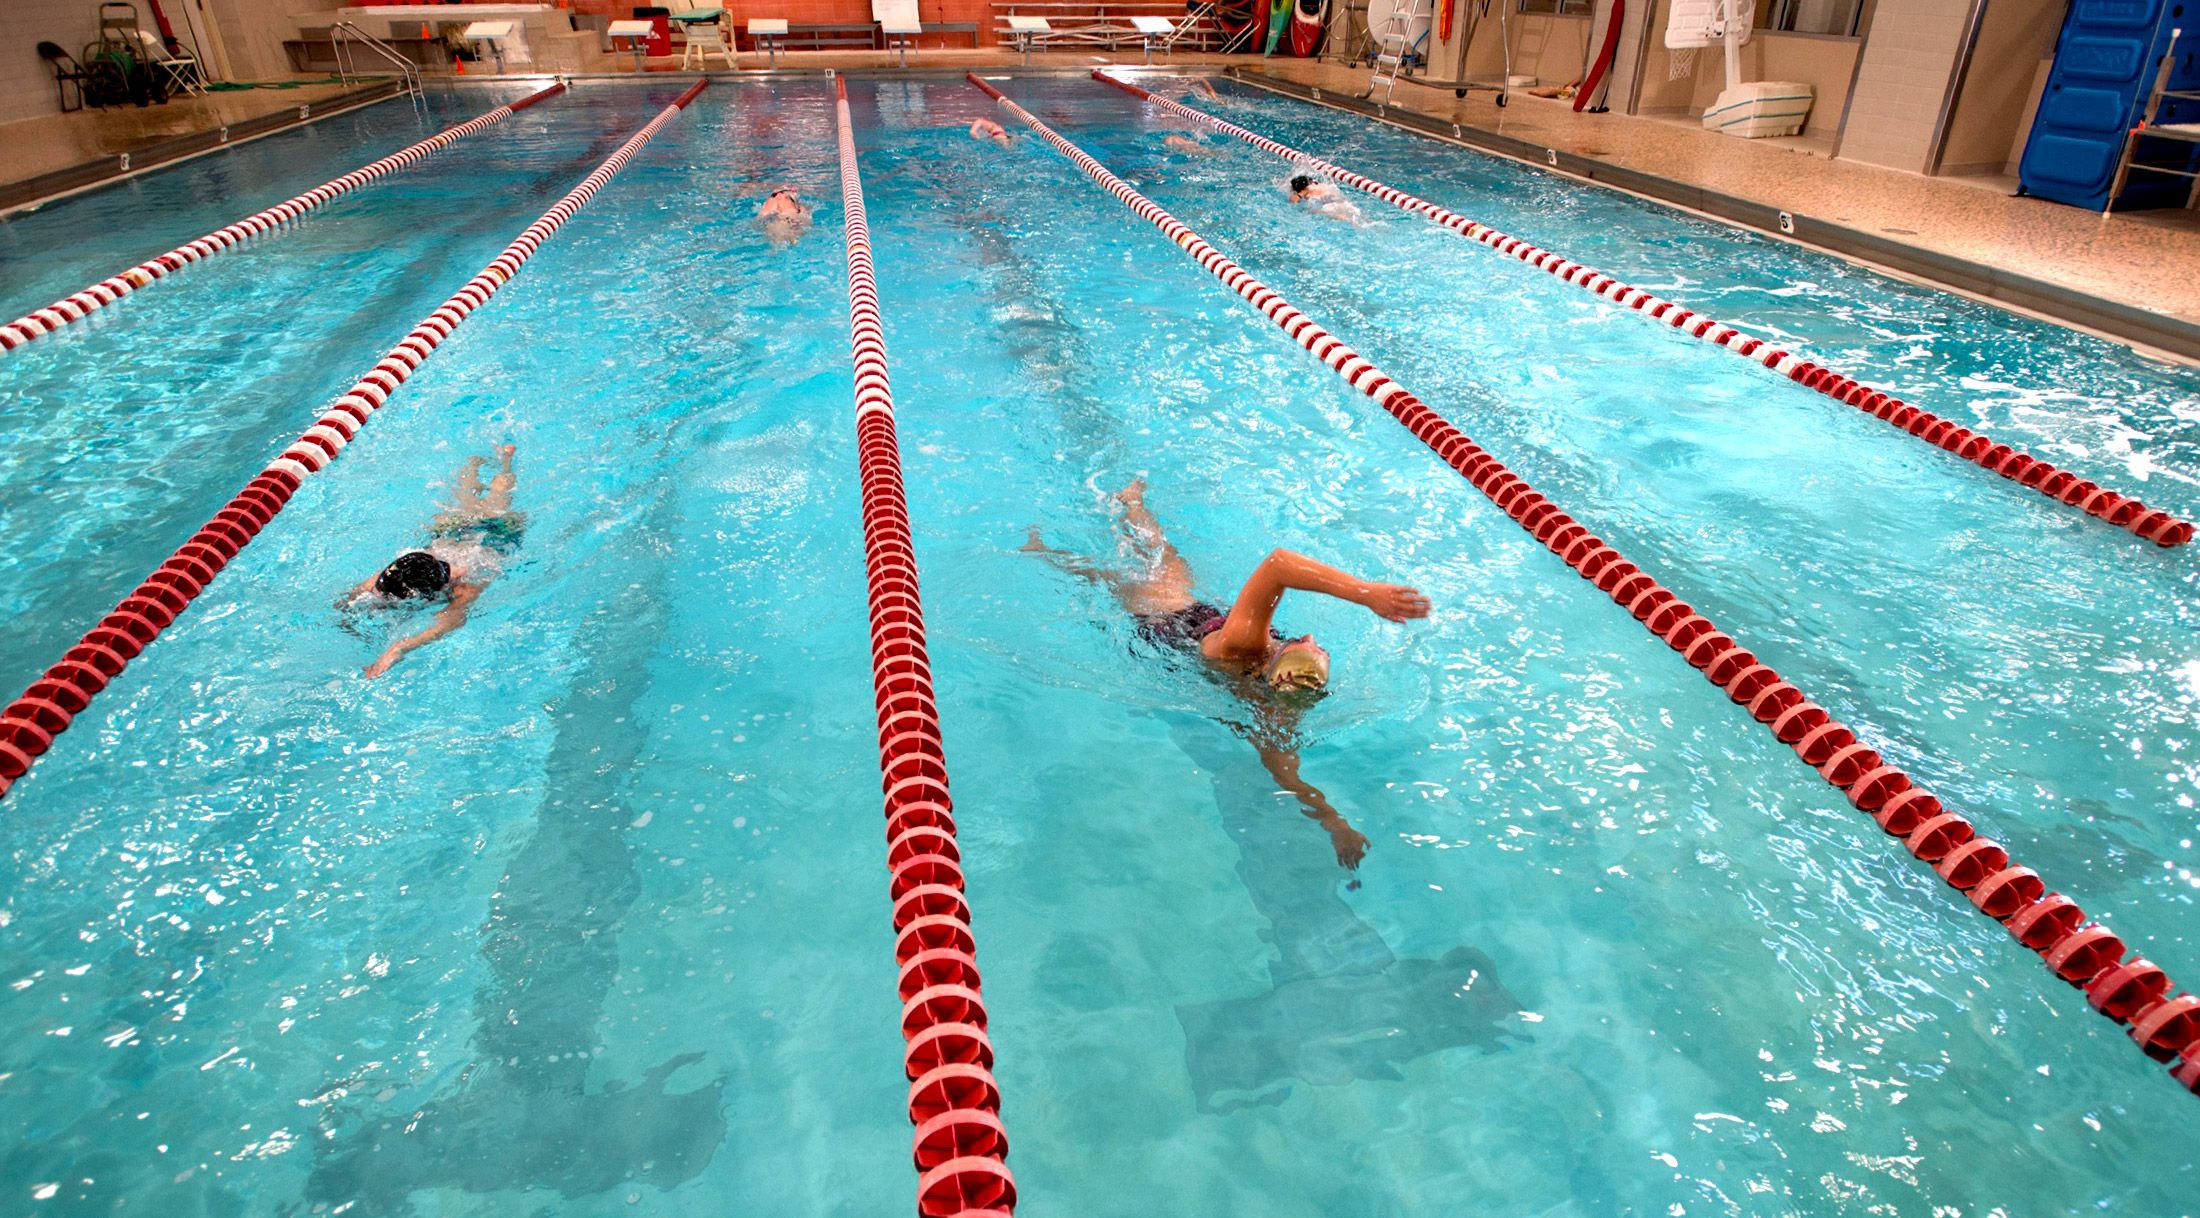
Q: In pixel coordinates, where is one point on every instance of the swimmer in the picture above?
(987, 129)
(464, 550)
(1323, 197)
(1273, 673)
(1202, 87)
(784, 217)
(1188, 145)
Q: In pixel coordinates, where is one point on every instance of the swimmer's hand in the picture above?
(382, 665)
(1349, 843)
(1394, 602)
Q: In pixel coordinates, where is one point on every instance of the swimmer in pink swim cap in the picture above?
(987, 129)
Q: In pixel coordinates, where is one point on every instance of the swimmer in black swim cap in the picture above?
(465, 546)
(1323, 196)
(414, 573)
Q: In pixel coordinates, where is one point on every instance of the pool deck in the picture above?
(2130, 276)
(61, 153)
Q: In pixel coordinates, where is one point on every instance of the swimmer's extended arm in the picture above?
(451, 618)
(1245, 631)
(1283, 765)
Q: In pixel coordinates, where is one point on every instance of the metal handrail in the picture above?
(341, 35)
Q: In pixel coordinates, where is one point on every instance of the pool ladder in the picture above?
(1395, 46)
(342, 37)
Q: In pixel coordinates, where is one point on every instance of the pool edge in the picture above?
(2157, 335)
(29, 193)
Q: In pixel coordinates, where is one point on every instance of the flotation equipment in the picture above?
(1309, 21)
(1279, 17)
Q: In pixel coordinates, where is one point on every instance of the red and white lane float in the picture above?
(108, 291)
(29, 724)
(2151, 524)
(2133, 992)
(953, 1100)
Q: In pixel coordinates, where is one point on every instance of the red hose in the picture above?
(108, 291)
(2150, 524)
(29, 724)
(2133, 991)
(953, 1099)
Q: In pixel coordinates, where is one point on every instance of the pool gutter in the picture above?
(2155, 334)
(85, 175)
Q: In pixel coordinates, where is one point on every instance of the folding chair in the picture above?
(66, 71)
(1202, 12)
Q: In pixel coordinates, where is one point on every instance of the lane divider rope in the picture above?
(2133, 991)
(29, 724)
(2151, 524)
(108, 291)
(953, 1099)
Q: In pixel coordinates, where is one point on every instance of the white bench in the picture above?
(897, 19)
(1023, 29)
(637, 34)
(1150, 28)
(765, 33)
(493, 33)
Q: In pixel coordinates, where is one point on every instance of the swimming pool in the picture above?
(582, 908)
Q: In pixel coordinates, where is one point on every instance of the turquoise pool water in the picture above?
(583, 911)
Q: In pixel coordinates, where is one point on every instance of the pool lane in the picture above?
(138, 422)
(1728, 990)
(2023, 468)
(2030, 673)
(265, 222)
(602, 832)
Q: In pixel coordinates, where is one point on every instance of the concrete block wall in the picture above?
(1909, 60)
(26, 83)
(251, 33)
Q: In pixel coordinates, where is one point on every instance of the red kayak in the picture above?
(1309, 20)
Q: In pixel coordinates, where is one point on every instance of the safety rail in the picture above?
(2151, 524)
(342, 34)
(107, 291)
(953, 1099)
(29, 724)
(2135, 992)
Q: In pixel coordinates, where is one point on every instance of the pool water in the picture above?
(583, 909)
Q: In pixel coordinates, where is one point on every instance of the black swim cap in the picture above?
(418, 573)
(1300, 183)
